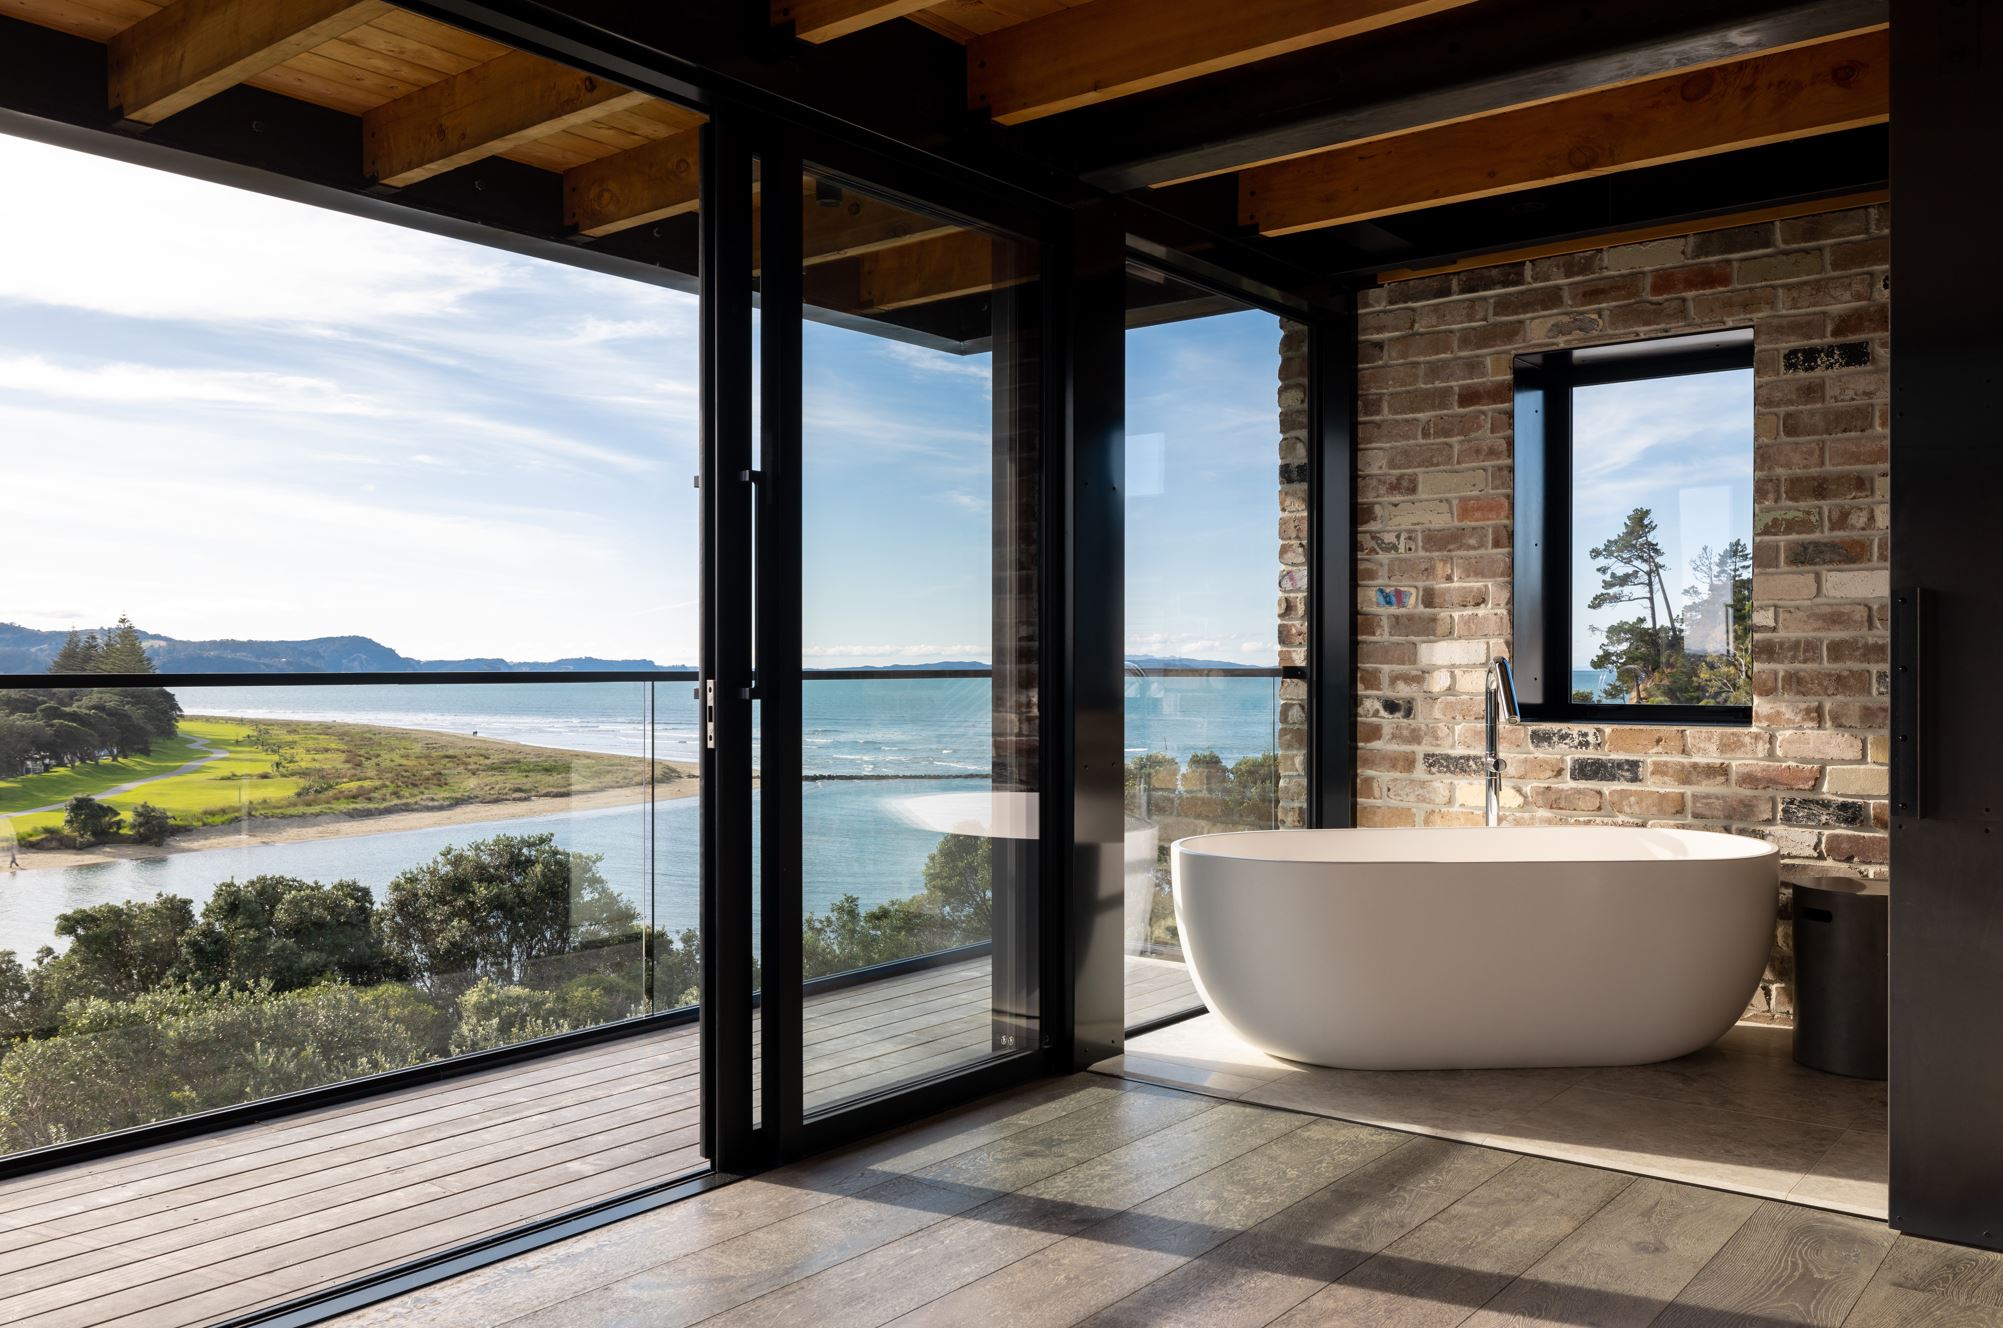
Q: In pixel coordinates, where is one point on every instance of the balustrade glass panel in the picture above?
(273, 888)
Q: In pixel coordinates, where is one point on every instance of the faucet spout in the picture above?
(1499, 701)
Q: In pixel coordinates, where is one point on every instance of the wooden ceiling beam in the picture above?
(942, 267)
(504, 103)
(1809, 90)
(190, 50)
(1113, 48)
(825, 20)
(858, 224)
(649, 183)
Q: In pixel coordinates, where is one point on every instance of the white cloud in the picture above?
(926, 360)
(150, 244)
(923, 650)
(155, 385)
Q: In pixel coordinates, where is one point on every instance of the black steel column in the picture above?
(1332, 563)
(1093, 633)
(726, 649)
(1946, 1017)
(779, 652)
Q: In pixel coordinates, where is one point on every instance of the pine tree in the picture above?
(78, 655)
(123, 652)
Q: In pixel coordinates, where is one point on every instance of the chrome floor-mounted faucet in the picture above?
(1500, 703)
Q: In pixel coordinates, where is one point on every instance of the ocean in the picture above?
(871, 748)
(1592, 680)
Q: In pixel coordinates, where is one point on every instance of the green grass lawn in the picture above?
(64, 784)
(281, 768)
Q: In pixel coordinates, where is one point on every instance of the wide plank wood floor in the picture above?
(1109, 1202)
(203, 1230)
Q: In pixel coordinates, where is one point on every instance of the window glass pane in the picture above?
(317, 443)
(1662, 532)
(1215, 556)
(920, 760)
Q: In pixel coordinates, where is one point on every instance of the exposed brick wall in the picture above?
(1434, 528)
(1293, 579)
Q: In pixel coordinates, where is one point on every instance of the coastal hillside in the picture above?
(26, 650)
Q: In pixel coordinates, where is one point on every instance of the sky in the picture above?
(1681, 447)
(229, 415)
(1203, 544)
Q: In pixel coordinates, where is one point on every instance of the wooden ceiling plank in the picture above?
(483, 112)
(611, 138)
(410, 73)
(373, 84)
(1804, 91)
(95, 19)
(558, 153)
(474, 49)
(1114, 48)
(193, 49)
(656, 180)
(385, 42)
(825, 20)
(669, 116)
(333, 94)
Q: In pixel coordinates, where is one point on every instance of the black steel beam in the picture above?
(1466, 62)
(1946, 1010)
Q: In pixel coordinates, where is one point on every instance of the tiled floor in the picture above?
(1093, 1200)
(1739, 1115)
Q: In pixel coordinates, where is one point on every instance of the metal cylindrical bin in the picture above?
(1841, 940)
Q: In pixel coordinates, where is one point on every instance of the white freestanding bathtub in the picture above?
(1477, 948)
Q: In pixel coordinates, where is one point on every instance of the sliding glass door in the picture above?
(884, 702)
(919, 753)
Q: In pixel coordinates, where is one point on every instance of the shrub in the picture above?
(150, 825)
(493, 1015)
(87, 820)
(284, 931)
(116, 1064)
(492, 908)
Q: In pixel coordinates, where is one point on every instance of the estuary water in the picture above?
(871, 748)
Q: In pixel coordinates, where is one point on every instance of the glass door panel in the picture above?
(918, 760)
(1215, 730)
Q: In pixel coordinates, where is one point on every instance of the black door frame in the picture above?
(754, 503)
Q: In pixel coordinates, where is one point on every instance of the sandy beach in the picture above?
(298, 829)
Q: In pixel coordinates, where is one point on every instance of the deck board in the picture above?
(200, 1230)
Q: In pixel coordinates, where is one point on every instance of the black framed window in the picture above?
(1634, 531)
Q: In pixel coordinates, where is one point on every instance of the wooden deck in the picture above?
(203, 1230)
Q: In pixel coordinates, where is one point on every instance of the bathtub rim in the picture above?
(1211, 846)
